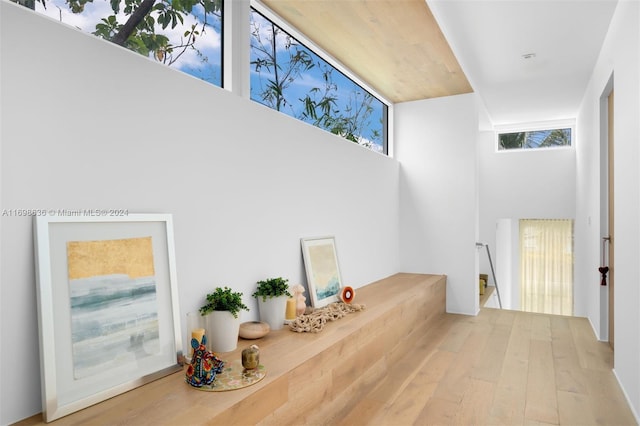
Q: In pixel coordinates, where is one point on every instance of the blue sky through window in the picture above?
(204, 61)
(318, 80)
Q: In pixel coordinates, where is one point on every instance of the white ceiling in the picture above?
(489, 38)
(407, 51)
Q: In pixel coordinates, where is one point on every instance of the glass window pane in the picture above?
(292, 79)
(511, 140)
(535, 139)
(185, 34)
(548, 138)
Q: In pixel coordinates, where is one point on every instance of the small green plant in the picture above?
(272, 287)
(223, 299)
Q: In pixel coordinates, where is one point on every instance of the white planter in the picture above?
(222, 331)
(272, 311)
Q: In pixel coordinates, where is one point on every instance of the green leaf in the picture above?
(115, 6)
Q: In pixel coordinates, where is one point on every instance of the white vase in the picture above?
(222, 331)
(272, 311)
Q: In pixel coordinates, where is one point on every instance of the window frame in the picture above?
(532, 127)
(387, 131)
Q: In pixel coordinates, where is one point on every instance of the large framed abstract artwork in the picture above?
(322, 270)
(107, 307)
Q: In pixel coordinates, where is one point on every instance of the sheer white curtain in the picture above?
(546, 266)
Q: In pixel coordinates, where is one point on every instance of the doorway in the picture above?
(534, 265)
(607, 210)
(546, 266)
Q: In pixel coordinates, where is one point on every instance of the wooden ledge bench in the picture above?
(311, 377)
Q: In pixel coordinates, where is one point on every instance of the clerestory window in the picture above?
(286, 75)
(533, 139)
(289, 77)
(185, 35)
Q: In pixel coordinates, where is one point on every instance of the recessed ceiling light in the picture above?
(529, 56)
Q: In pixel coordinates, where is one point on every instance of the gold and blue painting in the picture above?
(114, 309)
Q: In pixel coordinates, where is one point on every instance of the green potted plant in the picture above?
(272, 295)
(222, 322)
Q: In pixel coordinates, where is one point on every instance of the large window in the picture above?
(184, 34)
(290, 78)
(533, 139)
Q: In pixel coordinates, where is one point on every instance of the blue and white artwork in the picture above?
(324, 267)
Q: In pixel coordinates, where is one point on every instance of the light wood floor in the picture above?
(500, 368)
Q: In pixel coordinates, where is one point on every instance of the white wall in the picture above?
(533, 184)
(620, 57)
(436, 146)
(86, 124)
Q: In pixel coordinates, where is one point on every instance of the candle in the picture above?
(197, 334)
(290, 313)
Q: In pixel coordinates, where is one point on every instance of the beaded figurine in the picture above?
(204, 365)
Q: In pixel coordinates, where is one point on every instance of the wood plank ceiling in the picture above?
(395, 46)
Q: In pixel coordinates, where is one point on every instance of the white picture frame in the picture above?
(108, 307)
(322, 270)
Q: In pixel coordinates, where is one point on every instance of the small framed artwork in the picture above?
(322, 270)
(107, 307)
